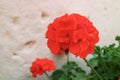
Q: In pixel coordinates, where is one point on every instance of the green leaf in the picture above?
(112, 46)
(63, 77)
(117, 38)
(80, 76)
(94, 62)
(57, 74)
(97, 50)
(70, 65)
(79, 70)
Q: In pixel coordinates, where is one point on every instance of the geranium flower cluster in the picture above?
(74, 33)
(40, 66)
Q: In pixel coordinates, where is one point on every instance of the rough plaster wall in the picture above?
(23, 24)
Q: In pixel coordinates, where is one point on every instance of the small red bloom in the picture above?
(119, 78)
(72, 32)
(39, 66)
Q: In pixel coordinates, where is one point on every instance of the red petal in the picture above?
(74, 48)
(54, 47)
(50, 34)
(83, 55)
(84, 44)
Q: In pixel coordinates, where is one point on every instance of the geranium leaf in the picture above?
(70, 65)
(57, 74)
(80, 76)
(117, 38)
(79, 70)
(63, 77)
(94, 62)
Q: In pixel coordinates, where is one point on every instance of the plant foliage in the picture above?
(106, 61)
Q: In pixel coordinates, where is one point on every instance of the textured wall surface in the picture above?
(23, 24)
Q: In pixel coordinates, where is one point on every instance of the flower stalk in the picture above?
(66, 52)
(48, 76)
(67, 59)
(100, 78)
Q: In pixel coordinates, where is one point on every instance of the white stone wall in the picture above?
(23, 24)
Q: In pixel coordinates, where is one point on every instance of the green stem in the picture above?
(67, 59)
(48, 76)
(66, 52)
(67, 63)
(119, 42)
(100, 78)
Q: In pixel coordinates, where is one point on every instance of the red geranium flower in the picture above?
(72, 32)
(40, 66)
